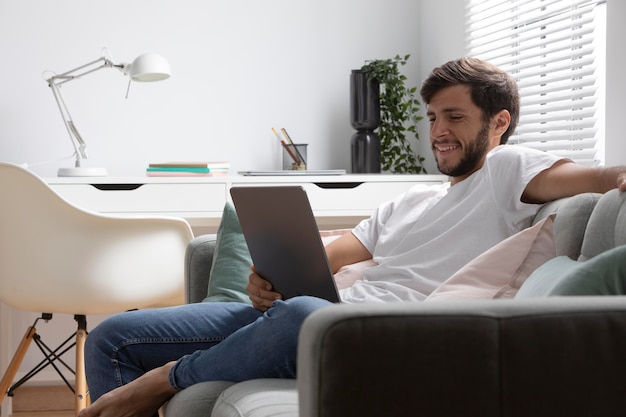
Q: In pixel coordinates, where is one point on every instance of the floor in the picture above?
(43, 401)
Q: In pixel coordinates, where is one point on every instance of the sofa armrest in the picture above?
(198, 262)
(536, 357)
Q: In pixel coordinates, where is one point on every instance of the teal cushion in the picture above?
(604, 274)
(231, 261)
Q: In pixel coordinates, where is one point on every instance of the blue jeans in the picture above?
(209, 341)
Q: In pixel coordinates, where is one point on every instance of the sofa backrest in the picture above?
(587, 224)
(606, 227)
(571, 221)
(572, 215)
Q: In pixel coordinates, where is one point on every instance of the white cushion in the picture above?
(500, 271)
(259, 398)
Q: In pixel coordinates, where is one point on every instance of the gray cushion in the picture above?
(607, 225)
(571, 222)
(604, 274)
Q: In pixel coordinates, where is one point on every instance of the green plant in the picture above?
(399, 116)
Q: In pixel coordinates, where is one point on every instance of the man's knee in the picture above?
(297, 309)
(104, 333)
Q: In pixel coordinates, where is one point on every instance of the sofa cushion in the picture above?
(259, 397)
(604, 274)
(231, 261)
(500, 271)
(571, 222)
(606, 228)
(197, 400)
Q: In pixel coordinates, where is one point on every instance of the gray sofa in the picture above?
(542, 356)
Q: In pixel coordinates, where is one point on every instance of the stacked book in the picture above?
(188, 169)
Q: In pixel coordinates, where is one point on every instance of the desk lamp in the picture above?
(146, 67)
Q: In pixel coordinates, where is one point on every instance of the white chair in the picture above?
(58, 258)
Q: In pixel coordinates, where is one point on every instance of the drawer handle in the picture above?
(116, 187)
(333, 185)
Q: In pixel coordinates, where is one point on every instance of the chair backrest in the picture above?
(58, 258)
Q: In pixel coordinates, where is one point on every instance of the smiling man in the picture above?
(460, 138)
(137, 360)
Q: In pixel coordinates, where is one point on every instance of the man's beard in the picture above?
(474, 153)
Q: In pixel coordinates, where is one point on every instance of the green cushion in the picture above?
(231, 261)
(604, 274)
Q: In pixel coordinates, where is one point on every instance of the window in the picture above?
(555, 49)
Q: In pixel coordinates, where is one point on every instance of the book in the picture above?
(185, 174)
(208, 164)
(185, 169)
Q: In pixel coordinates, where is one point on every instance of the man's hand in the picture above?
(260, 292)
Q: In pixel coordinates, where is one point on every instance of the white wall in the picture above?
(238, 69)
(441, 39)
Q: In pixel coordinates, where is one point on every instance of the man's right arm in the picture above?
(346, 250)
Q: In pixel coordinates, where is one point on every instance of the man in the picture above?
(138, 360)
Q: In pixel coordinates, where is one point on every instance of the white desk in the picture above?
(337, 200)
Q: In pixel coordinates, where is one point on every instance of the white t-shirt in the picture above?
(424, 236)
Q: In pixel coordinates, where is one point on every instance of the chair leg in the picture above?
(81, 392)
(80, 388)
(14, 366)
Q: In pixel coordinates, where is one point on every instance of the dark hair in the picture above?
(491, 88)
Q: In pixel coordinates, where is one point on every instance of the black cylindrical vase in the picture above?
(365, 118)
(365, 152)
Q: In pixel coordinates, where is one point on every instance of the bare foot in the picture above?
(141, 398)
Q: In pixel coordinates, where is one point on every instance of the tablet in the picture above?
(284, 240)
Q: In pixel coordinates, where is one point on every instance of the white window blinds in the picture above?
(555, 50)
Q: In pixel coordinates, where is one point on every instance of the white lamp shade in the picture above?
(149, 67)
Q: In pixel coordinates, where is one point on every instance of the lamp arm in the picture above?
(57, 80)
(77, 141)
(70, 75)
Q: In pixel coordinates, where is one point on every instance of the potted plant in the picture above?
(398, 116)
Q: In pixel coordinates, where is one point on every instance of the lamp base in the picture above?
(82, 172)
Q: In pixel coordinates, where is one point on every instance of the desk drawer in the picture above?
(145, 198)
(333, 199)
